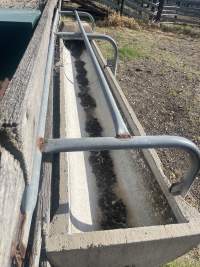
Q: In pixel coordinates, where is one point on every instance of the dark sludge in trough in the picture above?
(114, 212)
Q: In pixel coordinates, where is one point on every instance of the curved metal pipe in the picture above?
(92, 36)
(112, 42)
(142, 142)
(82, 14)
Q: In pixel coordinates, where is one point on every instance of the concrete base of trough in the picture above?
(146, 246)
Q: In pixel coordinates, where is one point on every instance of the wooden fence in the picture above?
(183, 11)
(186, 11)
(145, 9)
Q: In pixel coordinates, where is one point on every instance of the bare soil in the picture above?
(161, 80)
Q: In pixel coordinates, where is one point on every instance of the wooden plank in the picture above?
(141, 2)
(181, 21)
(130, 9)
(138, 8)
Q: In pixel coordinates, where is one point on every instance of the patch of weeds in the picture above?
(128, 53)
(115, 20)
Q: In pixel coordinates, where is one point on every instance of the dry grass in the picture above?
(193, 31)
(115, 20)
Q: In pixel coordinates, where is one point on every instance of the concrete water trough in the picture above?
(115, 208)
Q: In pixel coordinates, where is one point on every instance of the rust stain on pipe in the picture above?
(40, 143)
(123, 136)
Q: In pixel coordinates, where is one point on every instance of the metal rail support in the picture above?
(92, 36)
(120, 126)
(82, 14)
(141, 142)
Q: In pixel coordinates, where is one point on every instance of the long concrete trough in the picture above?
(118, 209)
(108, 208)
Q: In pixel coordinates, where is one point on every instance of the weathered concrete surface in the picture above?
(19, 110)
(79, 180)
(11, 190)
(60, 221)
(138, 247)
(19, 3)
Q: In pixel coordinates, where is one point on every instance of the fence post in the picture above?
(118, 6)
(160, 10)
(122, 7)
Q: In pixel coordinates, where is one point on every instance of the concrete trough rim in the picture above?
(121, 236)
(143, 246)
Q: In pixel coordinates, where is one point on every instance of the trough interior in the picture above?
(106, 189)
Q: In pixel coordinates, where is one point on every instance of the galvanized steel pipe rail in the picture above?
(120, 126)
(31, 190)
(91, 36)
(141, 142)
(82, 14)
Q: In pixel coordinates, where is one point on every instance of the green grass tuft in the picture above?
(127, 53)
